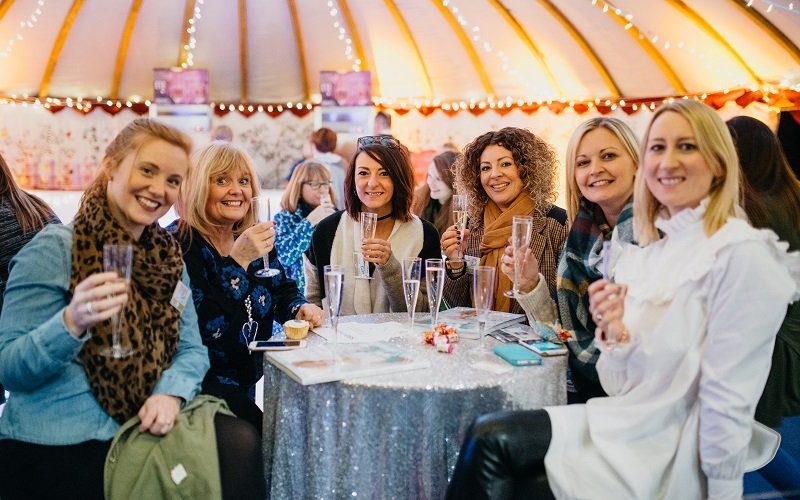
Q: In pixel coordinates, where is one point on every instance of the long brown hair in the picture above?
(443, 163)
(32, 213)
(765, 171)
(394, 159)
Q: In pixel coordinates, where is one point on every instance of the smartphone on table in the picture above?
(544, 347)
(276, 345)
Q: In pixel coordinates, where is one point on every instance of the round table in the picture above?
(394, 435)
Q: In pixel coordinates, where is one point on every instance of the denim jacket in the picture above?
(51, 402)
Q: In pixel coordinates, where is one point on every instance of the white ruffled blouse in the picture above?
(702, 314)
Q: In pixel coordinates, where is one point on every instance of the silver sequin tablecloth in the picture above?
(395, 435)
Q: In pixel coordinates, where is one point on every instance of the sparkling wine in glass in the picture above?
(263, 213)
(459, 204)
(369, 221)
(411, 268)
(482, 294)
(521, 226)
(118, 259)
(434, 274)
(334, 283)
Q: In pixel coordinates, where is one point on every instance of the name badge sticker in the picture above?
(180, 296)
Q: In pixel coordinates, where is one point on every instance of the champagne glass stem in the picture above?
(116, 342)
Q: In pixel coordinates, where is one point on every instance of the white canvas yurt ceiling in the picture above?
(446, 70)
(417, 50)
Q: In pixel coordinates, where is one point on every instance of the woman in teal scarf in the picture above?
(601, 161)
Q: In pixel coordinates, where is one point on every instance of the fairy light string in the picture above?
(26, 24)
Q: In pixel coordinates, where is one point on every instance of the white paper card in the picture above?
(359, 333)
(180, 296)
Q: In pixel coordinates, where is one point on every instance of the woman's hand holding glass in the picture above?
(96, 299)
(376, 251)
(255, 242)
(607, 306)
(158, 414)
(311, 313)
(453, 243)
(529, 269)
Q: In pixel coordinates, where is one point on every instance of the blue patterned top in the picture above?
(223, 292)
(292, 238)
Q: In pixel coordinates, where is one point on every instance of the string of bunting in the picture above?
(786, 99)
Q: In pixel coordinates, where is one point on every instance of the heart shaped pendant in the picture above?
(249, 331)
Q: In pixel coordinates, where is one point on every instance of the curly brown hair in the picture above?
(536, 160)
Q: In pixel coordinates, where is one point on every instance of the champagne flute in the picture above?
(118, 259)
(459, 204)
(334, 283)
(411, 267)
(521, 226)
(369, 221)
(482, 294)
(325, 199)
(263, 213)
(434, 274)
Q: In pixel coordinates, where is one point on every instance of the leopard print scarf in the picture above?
(148, 321)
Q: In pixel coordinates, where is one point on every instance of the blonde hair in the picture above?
(130, 140)
(218, 158)
(303, 173)
(621, 131)
(716, 146)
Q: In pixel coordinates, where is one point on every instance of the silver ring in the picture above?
(89, 307)
(598, 316)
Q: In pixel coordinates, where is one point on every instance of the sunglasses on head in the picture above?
(384, 140)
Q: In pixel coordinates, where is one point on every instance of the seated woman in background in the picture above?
(432, 200)
(308, 199)
(223, 249)
(504, 173)
(601, 160)
(378, 180)
(685, 336)
(22, 215)
(68, 397)
(771, 195)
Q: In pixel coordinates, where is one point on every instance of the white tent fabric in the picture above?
(702, 63)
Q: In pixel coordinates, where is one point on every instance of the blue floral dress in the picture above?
(292, 238)
(234, 307)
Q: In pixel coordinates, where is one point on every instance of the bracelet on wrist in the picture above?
(455, 273)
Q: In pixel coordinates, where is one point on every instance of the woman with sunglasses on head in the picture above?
(685, 335)
(601, 161)
(379, 180)
(504, 173)
(308, 199)
(432, 201)
(69, 397)
(223, 247)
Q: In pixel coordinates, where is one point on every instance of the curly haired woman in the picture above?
(504, 173)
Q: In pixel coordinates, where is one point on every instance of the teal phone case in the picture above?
(517, 355)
